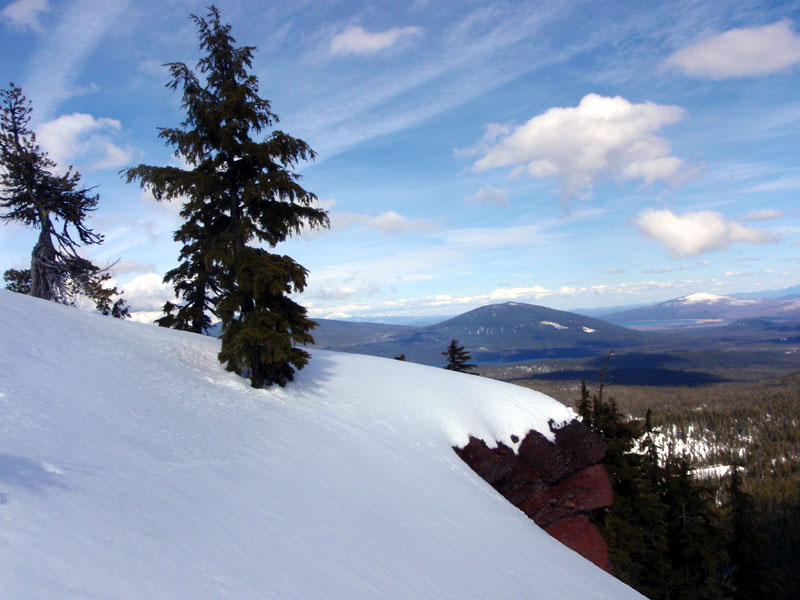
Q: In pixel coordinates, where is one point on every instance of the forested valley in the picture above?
(683, 525)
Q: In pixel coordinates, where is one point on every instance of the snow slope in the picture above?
(133, 466)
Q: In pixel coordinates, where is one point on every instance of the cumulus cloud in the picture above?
(147, 293)
(765, 214)
(580, 145)
(536, 291)
(489, 195)
(387, 222)
(82, 135)
(741, 52)
(26, 13)
(124, 267)
(356, 40)
(693, 233)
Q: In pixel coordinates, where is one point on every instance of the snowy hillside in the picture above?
(133, 466)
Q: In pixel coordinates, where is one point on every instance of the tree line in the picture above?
(672, 534)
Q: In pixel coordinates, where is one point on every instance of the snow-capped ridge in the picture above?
(702, 297)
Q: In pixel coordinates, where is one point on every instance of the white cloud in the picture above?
(489, 195)
(124, 267)
(391, 222)
(83, 136)
(26, 13)
(741, 52)
(613, 270)
(60, 55)
(356, 40)
(387, 222)
(579, 145)
(536, 291)
(693, 233)
(147, 292)
(783, 183)
(765, 214)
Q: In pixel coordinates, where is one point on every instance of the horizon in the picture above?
(569, 156)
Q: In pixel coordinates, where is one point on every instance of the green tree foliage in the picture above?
(634, 526)
(18, 280)
(457, 358)
(749, 550)
(695, 533)
(239, 192)
(31, 193)
(753, 417)
(664, 533)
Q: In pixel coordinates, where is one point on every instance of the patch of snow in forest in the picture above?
(712, 471)
(552, 324)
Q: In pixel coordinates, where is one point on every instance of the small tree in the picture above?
(18, 280)
(457, 358)
(240, 194)
(32, 194)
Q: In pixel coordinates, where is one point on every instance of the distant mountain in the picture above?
(708, 307)
(783, 294)
(495, 333)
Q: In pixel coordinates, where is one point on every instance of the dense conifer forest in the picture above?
(728, 465)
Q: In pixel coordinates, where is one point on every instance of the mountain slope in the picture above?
(710, 306)
(133, 466)
(511, 331)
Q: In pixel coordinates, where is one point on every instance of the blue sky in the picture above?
(570, 154)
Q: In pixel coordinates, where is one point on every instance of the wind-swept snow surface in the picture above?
(133, 466)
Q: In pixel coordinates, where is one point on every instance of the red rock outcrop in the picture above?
(556, 483)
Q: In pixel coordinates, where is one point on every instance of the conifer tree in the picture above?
(457, 358)
(634, 525)
(695, 538)
(240, 192)
(34, 195)
(751, 575)
(18, 280)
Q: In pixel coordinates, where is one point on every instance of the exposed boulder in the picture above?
(556, 483)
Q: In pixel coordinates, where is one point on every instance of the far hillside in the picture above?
(701, 308)
(509, 332)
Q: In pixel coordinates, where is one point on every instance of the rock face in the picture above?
(555, 484)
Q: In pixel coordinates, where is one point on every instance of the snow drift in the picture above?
(133, 466)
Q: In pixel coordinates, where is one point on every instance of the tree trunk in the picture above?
(43, 264)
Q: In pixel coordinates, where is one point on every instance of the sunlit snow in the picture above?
(133, 466)
(552, 324)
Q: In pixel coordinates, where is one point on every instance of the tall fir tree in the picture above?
(694, 534)
(239, 192)
(33, 194)
(749, 550)
(634, 525)
(457, 358)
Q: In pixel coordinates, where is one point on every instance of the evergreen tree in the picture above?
(634, 526)
(457, 358)
(18, 280)
(239, 192)
(749, 551)
(695, 537)
(32, 194)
